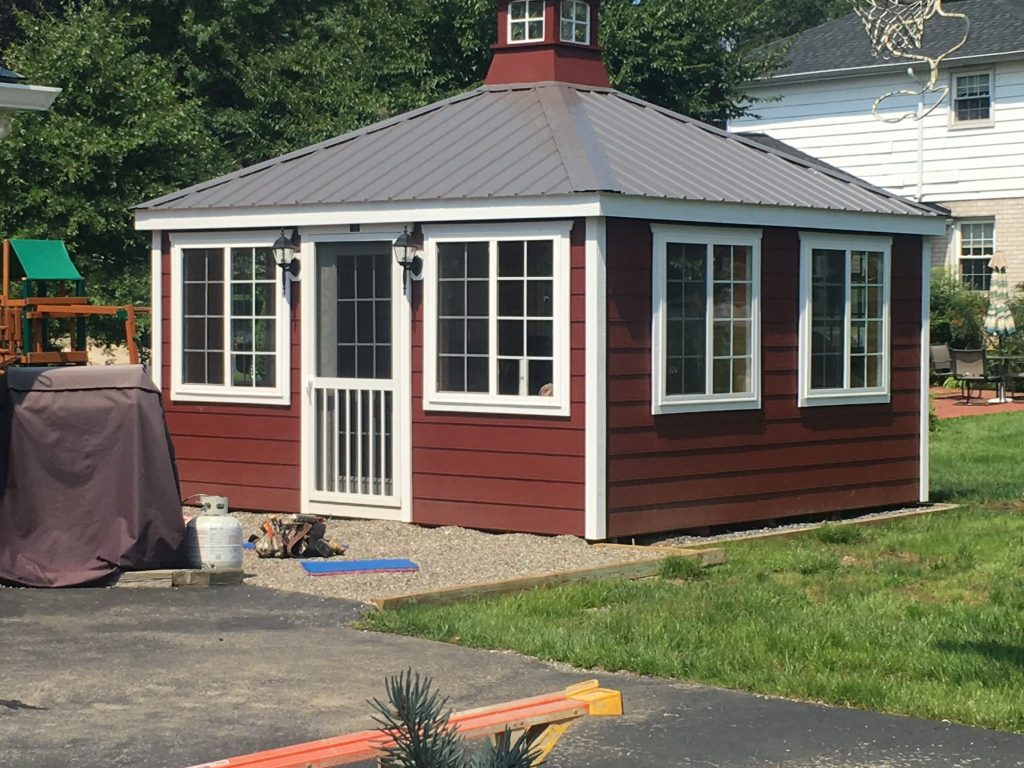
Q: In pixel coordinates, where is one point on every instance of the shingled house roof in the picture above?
(996, 28)
(535, 140)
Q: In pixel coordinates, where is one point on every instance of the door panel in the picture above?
(354, 449)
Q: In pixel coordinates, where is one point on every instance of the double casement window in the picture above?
(972, 98)
(229, 329)
(575, 22)
(844, 319)
(977, 244)
(526, 21)
(706, 322)
(496, 318)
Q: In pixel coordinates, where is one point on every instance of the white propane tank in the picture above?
(214, 537)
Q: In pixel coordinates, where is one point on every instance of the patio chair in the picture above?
(941, 362)
(970, 369)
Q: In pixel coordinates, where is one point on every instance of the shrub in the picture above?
(957, 313)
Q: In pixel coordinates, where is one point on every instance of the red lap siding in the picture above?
(677, 471)
(503, 472)
(249, 453)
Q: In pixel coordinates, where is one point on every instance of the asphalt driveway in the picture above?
(163, 678)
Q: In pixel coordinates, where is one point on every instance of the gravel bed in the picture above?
(744, 532)
(447, 557)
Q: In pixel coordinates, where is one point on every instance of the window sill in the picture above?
(834, 398)
(966, 125)
(701, 406)
(230, 397)
(498, 407)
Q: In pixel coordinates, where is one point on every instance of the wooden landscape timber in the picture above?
(179, 577)
(635, 569)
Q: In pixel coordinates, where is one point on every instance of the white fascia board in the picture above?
(753, 215)
(515, 209)
(26, 98)
(553, 207)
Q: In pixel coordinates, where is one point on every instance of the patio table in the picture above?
(1003, 364)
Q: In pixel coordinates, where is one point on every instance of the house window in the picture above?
(972, 97)
(706, 323)
(575, 22)
(229, 334)
(977, 244)
(496, 320)
(844, 319)
(526, 21)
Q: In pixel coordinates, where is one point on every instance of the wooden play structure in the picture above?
(544, 717)
(48, 292)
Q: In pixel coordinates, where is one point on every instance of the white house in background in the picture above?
(967, 155)
(17, 96)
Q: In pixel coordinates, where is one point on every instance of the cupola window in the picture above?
(575, 20)
(526, 21)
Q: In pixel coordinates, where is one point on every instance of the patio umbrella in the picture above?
(999, 319)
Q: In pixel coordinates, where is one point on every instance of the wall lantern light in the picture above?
(284, 256)
(405, 247)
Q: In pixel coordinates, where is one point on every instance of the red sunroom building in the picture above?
(619, 320)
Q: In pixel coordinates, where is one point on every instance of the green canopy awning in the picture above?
(44, 260)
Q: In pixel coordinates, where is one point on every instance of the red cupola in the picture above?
(544, 40)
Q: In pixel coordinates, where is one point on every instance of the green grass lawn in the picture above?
(923, 616)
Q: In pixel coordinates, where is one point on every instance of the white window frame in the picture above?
(979, 123)
(227, 393)
(479, 402)
(525, 21)
(575, 24)
(661, 402)
(960, 247)
(845, 395)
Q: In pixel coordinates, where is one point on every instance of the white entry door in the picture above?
(354, 430)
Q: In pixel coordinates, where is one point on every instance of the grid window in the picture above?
(706, 325)
(972, 98)
(575, 22)
(253, 318)
(977, 244)
(526, 326)
(708, 345)
(844, 325)
(364, 317)
(496, 316)
(203, 316)
(526, 21)
(463, 317)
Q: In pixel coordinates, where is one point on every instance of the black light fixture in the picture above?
(284, 255)
(405, 247)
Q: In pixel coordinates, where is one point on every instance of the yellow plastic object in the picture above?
(601, 702)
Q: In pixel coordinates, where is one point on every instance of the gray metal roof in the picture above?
(996, 27)
(537, 139)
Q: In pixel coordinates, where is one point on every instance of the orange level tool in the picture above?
(545, 718)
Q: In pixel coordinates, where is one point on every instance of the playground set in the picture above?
(41, 290)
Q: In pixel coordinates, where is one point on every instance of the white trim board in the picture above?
(596, 434)
(924, 492)
(551, 207)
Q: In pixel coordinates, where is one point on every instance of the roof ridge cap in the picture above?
(836, 174)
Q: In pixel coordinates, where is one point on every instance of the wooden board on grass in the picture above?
(637, 569)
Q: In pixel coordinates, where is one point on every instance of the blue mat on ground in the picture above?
(327, 568)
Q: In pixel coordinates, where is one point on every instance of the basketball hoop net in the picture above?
(896, 29)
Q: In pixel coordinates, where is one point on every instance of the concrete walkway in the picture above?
(170, 678)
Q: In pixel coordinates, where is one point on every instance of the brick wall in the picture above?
(1009, 233)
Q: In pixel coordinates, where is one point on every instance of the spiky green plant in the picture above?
(416, 719)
